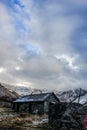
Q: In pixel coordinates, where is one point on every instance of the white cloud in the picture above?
(23, 83)
(2, 69)
(17, 68)
(69, 61)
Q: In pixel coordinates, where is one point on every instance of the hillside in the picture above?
(6, 96)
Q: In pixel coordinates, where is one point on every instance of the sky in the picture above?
(43, 43)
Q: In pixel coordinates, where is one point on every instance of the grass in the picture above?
(16, 121)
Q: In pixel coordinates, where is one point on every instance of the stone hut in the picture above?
(35, 103)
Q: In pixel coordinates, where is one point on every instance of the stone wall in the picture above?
(24, 107)
(37, 107)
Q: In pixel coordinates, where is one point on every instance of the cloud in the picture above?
(68, 61)
(43, 43)
(2, 70)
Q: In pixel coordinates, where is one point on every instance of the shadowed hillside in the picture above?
(6, 96)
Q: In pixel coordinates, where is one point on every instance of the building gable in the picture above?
(52, 98)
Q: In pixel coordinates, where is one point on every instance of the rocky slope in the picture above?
(77, 95)
(6, 96)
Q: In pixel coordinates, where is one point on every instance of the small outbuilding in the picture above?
(35, 103)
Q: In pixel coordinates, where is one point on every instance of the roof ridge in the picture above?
(37, 94)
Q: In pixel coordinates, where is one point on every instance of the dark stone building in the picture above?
(35, 103)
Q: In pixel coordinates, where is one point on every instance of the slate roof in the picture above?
(34, 97)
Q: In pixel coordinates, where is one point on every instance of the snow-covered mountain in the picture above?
(76, 95)
(23, 90)
(64, 96)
